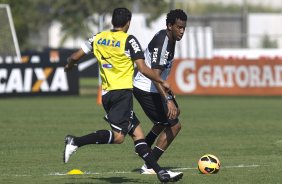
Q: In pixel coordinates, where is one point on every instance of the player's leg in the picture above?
(157, 129)
(165, 138)
(154, 107)
(144, 152)
(153, 134)
(72, 143)
(118, 105)
(172, 128)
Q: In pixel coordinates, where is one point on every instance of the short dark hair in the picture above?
(120, 17)
(173, 15)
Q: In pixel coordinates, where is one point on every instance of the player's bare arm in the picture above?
(73, 59)
(145, 70)
(172, 109)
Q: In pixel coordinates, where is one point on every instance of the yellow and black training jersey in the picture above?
(115, 52)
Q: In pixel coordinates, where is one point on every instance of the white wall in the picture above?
(144, 34)
(55, 35)
(261, 24)
(269, 3)
(196, 42)
(247, 53)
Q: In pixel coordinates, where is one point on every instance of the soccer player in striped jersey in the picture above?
(116, 52)
(158, 103)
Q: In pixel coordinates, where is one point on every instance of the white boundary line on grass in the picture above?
(176, 169)
(128, 172)
(234, 166)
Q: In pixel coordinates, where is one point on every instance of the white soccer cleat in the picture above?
(174, 176)
(144, 170)
(169, 176)
(70, 147)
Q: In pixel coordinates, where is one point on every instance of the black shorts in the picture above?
(154, 107)
(118, 105)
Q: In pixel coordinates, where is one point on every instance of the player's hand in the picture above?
(172, 110)
(69, 66)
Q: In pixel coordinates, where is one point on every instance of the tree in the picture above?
(268, 43)
(76, 23)
(30, 15)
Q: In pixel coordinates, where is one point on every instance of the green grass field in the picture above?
(244, 132)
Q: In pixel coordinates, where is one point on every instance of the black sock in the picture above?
(150, 138)
(144, 152)
(98, 137)
(157, 153)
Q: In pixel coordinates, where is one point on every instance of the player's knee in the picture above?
(119, 138)
(177, 127)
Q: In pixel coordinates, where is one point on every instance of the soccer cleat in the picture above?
(174, 176)
(70, 147)
(145, 170)
(163, 176)
(169, 176)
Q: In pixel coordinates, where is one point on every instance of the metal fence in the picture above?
(229, 31)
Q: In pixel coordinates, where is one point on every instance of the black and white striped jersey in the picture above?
(158, 55)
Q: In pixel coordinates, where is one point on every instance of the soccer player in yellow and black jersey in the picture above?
(116, 52)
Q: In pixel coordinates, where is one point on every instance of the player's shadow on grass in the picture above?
(166, 168)
(109, 180)
(120, 180)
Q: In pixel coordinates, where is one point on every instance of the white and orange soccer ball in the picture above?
(209, 164)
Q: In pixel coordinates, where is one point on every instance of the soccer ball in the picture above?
(208, 164)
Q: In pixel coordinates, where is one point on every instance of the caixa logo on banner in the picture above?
(21, 79)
